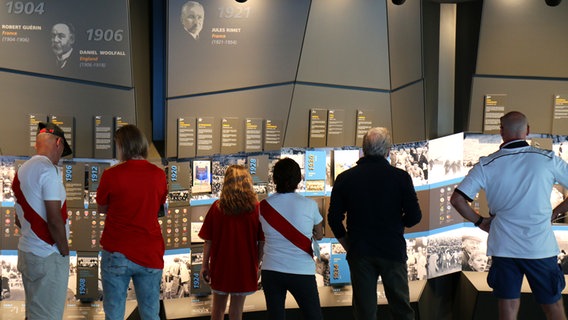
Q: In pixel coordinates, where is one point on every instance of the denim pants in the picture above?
(116, 272)
(365, 271)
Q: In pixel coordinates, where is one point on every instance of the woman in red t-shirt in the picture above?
(130, 194)
(231, 231)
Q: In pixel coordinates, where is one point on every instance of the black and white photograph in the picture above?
(12, 286)
(62, 41)
(560, 146)
(416, 250)
(344, 159)
(176, 276)
(474, 248)
(412, 157)
(322, 264)
(562, 238)
(192, 16)
(476, 145)
(218, 167)
(444, 253)
(446, 158)
(7, 173)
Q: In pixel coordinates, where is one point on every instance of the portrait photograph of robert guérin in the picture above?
(62, 41)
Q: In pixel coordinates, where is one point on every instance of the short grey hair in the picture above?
(188, 5)
(377, 142)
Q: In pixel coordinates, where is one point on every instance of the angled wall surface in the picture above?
(327, 55)
(346, 44)
(522, 55)
(405, 43)
(244, 61)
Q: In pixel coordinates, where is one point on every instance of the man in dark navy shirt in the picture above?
(379, 201)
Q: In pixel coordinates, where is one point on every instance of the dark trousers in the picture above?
(302, 287)
(365, 271)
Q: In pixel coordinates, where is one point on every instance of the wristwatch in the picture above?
(478, 222)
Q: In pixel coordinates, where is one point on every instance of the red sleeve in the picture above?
(206, 232)
(260, 235)
(103, 189)
(164, 186)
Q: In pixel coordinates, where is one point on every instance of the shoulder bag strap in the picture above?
(278, 222)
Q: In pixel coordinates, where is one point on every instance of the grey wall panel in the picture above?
(346, 44)
(376, 104)
(100, 44)
(241, 45)
(141, 73)
(408, 114)
(23, 95)
(405, 42)
(268, 103)
(532, 97)
(523, 38)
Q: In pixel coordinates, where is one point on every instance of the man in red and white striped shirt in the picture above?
(43, 249)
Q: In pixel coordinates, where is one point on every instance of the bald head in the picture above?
(45, 139)
(514, 126)
(49, 145)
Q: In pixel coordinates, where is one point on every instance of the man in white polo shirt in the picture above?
(518, 180)
(43, 250)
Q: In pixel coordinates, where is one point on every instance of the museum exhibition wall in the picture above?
(261, 81)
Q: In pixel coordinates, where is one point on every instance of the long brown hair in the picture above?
(237, 195)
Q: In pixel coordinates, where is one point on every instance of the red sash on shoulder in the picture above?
(278, 222)
(38, 225)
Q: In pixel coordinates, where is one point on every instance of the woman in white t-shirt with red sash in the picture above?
(289, 220)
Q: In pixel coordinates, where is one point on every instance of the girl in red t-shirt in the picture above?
(232, 230)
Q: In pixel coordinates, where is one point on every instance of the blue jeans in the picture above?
(365, 271)
(116, 272)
